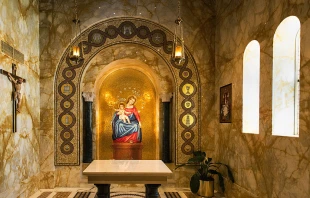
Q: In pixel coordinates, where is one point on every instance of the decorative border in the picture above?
(103, 35)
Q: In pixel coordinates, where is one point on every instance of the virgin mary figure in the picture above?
(127, 132)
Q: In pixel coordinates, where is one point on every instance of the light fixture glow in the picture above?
(76, 50)
(178, 54)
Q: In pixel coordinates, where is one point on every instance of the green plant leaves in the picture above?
(194, 183)
(199, 153)
(196, 159)
(206, 170)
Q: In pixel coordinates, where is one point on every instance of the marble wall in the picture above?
(19, 151)
(56, 32)
(216, 34)
(264, 165)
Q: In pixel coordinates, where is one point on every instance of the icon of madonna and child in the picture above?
(126, 125)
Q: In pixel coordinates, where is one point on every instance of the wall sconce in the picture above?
(178, 54)
(76, 51)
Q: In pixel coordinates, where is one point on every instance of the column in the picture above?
(166, 153)
(87, 127)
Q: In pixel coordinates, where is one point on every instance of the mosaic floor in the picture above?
(116, 192)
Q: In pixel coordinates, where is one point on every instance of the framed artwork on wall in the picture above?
(225, 103)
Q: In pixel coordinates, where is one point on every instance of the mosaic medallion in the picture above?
(188, 104)
(66, 119)
(66, 89)
(168, 47)
(157, 38)
(69, 73)
(67, 104)
(188, 89)
(112, 31)
(188, 135)
(188, 120)
(97, 38)
(66, 147)
(185, 74)
(143, 32)
(127, 29)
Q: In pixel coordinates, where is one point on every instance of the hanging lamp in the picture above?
(76, 51)
(178, 54)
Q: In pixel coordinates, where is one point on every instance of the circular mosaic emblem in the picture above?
(188, 135)
(67, 135)
(188, 89)
(188, 104)
(69, 73)
(185, 74)
(157, 38)
(188, 120)
(187, 148)
(66, 89)
(112, 31)
(97, 38)
(66, 119)
(143, 32)
(127, 29)
(67, 104)
(66, 147)
(168, 47)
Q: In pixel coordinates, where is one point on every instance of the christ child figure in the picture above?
(122, 113)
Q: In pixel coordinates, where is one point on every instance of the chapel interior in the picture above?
(241, 94)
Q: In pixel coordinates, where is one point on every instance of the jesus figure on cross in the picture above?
(16, 94)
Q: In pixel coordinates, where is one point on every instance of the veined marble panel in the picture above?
(264, 165)
(19, 152)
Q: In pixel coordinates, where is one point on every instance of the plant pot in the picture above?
(206, 188)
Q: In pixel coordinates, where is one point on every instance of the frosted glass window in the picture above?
(285, 78)
(251, 73)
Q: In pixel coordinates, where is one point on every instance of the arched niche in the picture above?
(100, 75)
(111, 34)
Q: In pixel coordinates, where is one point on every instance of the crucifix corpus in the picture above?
(16, 95)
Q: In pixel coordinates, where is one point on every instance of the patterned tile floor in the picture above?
(117, 191)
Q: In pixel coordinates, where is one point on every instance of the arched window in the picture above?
(285, 78)
(251, 76)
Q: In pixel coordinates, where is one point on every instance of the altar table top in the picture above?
(127, 171)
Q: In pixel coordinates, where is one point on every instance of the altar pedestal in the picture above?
(127, 151)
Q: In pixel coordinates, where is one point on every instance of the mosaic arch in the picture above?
(110, 33)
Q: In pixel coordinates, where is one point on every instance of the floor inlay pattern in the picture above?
(117, 191)
(44, 194)
(62, 195)
(82, 195)
(127, 194)
(172, 195)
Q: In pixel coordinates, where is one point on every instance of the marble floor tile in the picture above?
(115, 188)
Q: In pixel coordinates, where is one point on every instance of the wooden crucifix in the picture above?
(16, 95)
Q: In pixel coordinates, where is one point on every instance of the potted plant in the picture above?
(202, 182)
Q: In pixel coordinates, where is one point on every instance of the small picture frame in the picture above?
(225, 103)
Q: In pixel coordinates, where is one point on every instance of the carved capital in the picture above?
(166, 97)
(89, 96)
